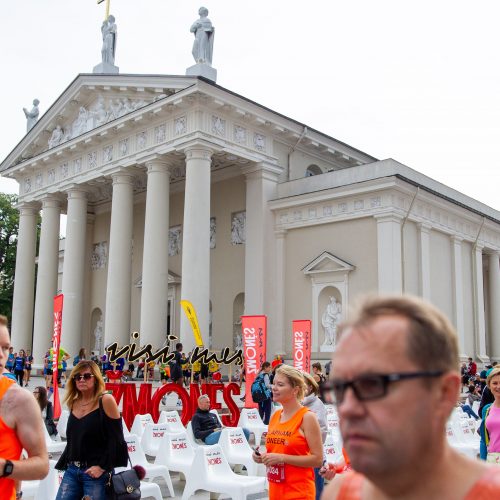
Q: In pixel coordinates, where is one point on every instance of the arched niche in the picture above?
(313, 170)
(95, 317)
(238, 308)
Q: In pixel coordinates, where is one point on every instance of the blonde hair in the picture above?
(494, 372)
(309, 379)
(73, 394)
(295, 377)
(3, 320)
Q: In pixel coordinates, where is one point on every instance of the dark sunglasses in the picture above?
(82, 376)
(368, 387)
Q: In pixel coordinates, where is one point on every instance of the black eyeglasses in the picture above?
(82, 376)
(369, 387)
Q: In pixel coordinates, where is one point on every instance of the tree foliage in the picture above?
(9, 226)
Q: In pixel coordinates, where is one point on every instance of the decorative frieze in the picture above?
(180, 125)
(259, 142)
(174, 240)
(239, 135)
(123, 147)
(218, 126)
(99, 257)
(160, 133)
(238, 228)
(51, 176)
(92, 160)
(64, 170)
(107, 154)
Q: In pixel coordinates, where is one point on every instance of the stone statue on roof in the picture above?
(32, 116)
(204, 31)
(109, 33)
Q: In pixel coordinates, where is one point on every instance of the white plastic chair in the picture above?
(475, 407)
(137, 457)
(455, 441)
(139, 423)
(211, 472)
(151, 438)
(176, 453)
(216, 413)
(469, 434)
(126, 432)
(250, 419)
(62, 424)
(332, 449)
(190, 435)
(53, 446)
(173, 420)
(236, 449)
(45, 489)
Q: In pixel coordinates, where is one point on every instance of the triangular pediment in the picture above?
(327, 263)
(173, 279)
(92, 101)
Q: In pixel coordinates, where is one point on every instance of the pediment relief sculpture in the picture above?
(99, 113)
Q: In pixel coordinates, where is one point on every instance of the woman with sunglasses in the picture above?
(293, 441)
(95, 443)
(46, 408)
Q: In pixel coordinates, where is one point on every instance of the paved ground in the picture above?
(176, 481)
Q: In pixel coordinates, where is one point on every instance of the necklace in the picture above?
(85, 404)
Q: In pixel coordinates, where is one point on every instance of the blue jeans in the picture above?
(265, 410)
(76, 483)
(214, 437)
(319, 482)
(467, 409)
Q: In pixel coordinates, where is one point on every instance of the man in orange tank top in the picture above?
(20, 427)
(395, 380)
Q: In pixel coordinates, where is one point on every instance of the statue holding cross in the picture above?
(108, 50)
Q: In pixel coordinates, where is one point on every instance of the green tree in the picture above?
(9, 225)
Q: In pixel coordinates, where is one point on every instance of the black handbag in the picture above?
(124, 485)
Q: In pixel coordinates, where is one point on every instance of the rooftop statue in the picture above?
(109, 33)
(203, 45)
(32, 116)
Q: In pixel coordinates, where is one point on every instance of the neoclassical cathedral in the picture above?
(176, 188)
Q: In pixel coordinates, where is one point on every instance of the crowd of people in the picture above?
(394, 380)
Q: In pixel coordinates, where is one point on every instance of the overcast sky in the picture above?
(417, 81)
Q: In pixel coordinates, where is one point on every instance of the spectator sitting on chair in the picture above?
(206, 425)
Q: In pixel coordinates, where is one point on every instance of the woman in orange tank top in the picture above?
(293, 442)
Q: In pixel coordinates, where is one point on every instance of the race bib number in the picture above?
(276, 473)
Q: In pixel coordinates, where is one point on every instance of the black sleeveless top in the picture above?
(95, 439)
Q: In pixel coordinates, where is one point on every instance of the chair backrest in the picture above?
(332, 449)
(135, 451)
(173, 420)
(216, 413)
(126, 432)
(475, 407)
(233, 442)
(249, 417)
(63, 423)
(451, 434)
(153, 434)
(190, 435)
(140, 422)
(178, 445)
(210, 462)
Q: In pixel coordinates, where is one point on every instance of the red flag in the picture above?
(254, 332)
(56, 341)
(302, 344)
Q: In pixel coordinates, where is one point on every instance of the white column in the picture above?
(389, 253)
(458, 293)
(154, 295)
(261, 182)
(425, 261)
(46, 283)
(24, 286)
(494, 278)
(479, 302)
(196, 242)
(118, 289)
(276, 344)
(74, 271)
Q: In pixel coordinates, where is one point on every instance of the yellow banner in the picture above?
(193, 320)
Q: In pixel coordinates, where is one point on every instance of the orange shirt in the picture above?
(286, 437)
(486, 488)
(10, 446)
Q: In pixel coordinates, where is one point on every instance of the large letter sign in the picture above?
(302, 344)
(254, 329)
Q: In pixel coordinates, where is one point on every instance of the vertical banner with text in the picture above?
(302, 344)
(56, 342)
(254, 336)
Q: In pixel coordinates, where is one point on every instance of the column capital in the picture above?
(388, 217)
(27, 208)
(280, 233)
(75, 193)
(478, 247)
(51, 201)
(456, 239)
(122, 177)
(424, 227)
(198, 153)
(158, 165)
(264, 170)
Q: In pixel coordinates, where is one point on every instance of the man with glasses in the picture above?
(395, 380)
(20, 427)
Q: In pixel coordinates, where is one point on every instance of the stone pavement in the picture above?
(176, 481)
